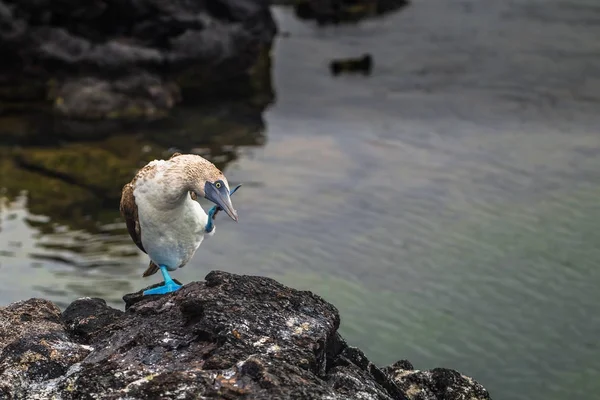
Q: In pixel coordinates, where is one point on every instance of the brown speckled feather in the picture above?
(152, 269)
(129, 212)
(129, 209)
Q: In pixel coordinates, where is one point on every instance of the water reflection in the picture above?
(345, 11)
(448, 204)
(62, 180)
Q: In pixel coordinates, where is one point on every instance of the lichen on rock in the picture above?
(35, 348)
(229, 337)
(438, 383)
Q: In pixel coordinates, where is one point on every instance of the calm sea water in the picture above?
(448, 204)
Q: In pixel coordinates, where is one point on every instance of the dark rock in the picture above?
(435, 384)
(363, 65)
(228, 337)
(143, 95)
(129, 59)
(342, 11)
(400, 365)
(34, 347)
(86, 317)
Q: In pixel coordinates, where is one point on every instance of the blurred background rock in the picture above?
(446, 202)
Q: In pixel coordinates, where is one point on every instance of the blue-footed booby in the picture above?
(163, 216)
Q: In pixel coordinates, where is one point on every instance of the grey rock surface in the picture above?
(230, 337)
(130, 58)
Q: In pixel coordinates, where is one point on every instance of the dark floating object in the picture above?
(345, 11)
(362, 65)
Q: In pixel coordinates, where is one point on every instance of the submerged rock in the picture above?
(228, 337)
(438, 383)
(123, 59)
(342, 11)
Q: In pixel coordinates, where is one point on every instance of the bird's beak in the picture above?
(221, 198)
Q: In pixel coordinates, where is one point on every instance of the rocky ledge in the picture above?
(131, 58)
(229, 337)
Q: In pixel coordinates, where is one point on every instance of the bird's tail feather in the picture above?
(152, 269)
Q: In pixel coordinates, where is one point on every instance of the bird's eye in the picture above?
(218, 185)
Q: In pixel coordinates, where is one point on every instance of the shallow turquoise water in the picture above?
(447, 205)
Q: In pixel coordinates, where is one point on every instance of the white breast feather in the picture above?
(169, 235)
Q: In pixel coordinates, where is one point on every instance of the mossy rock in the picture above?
(65, 203)
(77, 185)
(84, 165)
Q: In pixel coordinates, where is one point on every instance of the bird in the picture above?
(163, 217)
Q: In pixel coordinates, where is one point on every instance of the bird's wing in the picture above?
(175, 155)
(129, 211)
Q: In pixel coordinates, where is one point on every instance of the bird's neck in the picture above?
(170, 192)
(170, 188)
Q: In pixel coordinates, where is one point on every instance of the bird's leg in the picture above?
(212, 213)
(210, 226)
(168, 287)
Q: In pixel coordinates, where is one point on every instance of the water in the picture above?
(447, 205)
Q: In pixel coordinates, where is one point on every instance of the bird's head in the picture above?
(214, 186)
(203, 179)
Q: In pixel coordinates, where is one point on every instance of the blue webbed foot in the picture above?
(168, 287)
(164, 289)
